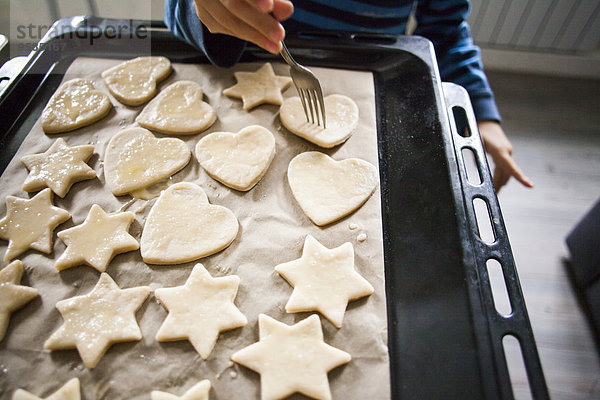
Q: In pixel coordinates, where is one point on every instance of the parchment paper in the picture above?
(272, 231)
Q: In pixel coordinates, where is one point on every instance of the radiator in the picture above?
(551, 26)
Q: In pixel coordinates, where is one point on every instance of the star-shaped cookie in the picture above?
(97, 240)
(58, 168)
(29, 223)
(94, 321)
(291, 359)
(197, 392)
(69, 391)
(259, 87)
(12, 295)
(200, 310)
(324, 280)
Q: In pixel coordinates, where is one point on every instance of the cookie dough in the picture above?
(291, 359)
(200, 310)
(97, 240)
(74, 105)
(341, 115)
(237, 160)
(58, 168)
(178, 110)
(12, 295)
(29, 223)
(95, 321)
(135, 159)
(328, 190)
(260, 87)
(183, 226)
(324, 280)
(199, 391)
(70, 391)
(133, 82)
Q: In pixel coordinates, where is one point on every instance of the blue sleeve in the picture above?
(182, 20)
(444, 23)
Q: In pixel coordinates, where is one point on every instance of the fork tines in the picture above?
(308, 87)
(312, 102)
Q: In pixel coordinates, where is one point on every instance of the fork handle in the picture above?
(286, 55)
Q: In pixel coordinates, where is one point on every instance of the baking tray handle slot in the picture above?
(465, 136)
(9, 70)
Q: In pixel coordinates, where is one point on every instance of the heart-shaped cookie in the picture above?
(178, 110)
(183, 226)
(341, 117)
(133, 82)
(75, 104)
(328, 190)
(135, 159)
(237, 160)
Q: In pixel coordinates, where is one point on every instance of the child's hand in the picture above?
(256, 21)
(499, 148)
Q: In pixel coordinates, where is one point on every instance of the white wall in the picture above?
(562, 26)
(554, 37)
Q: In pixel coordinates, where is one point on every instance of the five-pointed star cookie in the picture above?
(200, 309)
(197, 392)
(12, 295)
(291, 359)
(324, 280)
(94, 321)
(259, 87)
(58, 168)
(69, 391)
(97, 240)
(29, 223)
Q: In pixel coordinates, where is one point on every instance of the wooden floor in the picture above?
(554, 125)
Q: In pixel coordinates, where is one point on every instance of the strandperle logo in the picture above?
(28, 36)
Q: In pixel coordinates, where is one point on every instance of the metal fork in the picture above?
(308, 87)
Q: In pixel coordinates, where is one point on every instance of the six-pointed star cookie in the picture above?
(12, 295)
(197, 392)
(97, 240)
(259, 87)
(58, 168)
(324, 280)
(94, 321)
(69, 391)
(291, 359)
(200, 309)
(29, 223)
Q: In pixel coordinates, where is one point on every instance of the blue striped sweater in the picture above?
(441, 21)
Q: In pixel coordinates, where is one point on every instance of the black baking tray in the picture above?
(445, 336)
